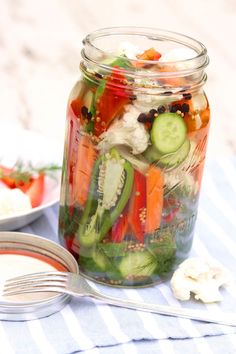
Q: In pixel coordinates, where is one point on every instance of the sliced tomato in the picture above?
(111, 103)
(35, 190)
(137, 208)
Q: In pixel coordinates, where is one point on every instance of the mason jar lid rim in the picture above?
(154, 32)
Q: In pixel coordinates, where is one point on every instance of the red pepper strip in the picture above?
(35, 190)
(120, 227)
(76, 106)
(171, 205)
(169, 217)
(73, 127)
(111, 103)
(137, 207)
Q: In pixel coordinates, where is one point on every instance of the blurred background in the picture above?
(40, 44)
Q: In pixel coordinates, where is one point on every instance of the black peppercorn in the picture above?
(133, 98)
(98, 75)
(152, 112)
(167, 93)
(185, 108)
(145, 118)
(142, 118)
(178, 106)
(161, 109)
(173, 109)
(84, 111)
(187, 96)
(89, 115)
(150, 117)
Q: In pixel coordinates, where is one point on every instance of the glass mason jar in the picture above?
(136, 136)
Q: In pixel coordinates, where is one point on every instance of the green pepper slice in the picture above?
(110, 189)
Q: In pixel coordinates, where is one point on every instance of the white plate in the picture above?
(16, 143)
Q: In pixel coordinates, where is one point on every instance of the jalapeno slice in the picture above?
(110, 189)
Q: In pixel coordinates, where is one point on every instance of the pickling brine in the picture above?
(136, 136)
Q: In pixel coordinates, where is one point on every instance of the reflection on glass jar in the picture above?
(137, 127)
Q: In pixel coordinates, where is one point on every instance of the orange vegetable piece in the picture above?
(149, 54)
(85, 160)
(154, 205)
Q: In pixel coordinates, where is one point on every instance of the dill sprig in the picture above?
(23, 172)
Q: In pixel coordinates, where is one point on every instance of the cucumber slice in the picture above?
(168, 132)
(138, 264)
(88, 240)
(101, 260)
(168, 160)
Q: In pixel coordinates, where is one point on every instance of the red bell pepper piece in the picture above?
(137, 209)
(112, 101)
(120, 227)
(76, 106)
(172, 205)
(35, 190)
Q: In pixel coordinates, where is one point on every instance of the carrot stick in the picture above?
(85, 160)
(154, 187)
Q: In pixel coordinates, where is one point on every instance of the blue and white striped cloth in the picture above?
(94, 328)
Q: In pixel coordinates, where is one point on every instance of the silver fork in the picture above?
(76, 285)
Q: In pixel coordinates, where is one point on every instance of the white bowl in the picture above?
(15, 144)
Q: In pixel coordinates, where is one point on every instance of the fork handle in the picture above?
(225, 319)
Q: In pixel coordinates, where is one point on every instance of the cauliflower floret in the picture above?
(203, 278)
(13, 201)
(182, 179)
(179, 54)
(129, 49)
(199, 102)
(145, 102)
(126, 131)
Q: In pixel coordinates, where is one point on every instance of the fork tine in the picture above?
(40, 275)
(13, 281)
(35, 283)
(39, 289)
(35, 278)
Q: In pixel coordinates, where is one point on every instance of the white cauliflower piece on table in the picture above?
(126, 131)
(200, 277)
